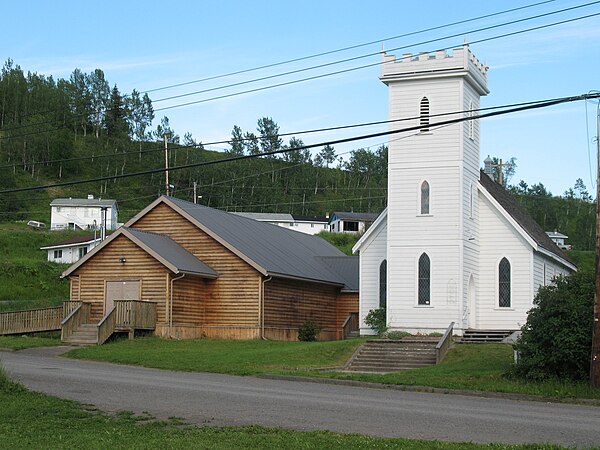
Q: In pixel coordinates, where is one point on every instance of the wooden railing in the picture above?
(135, 314)
(350, 325)
(69, 306)
(31, 320)
(80, 314)
(107, 326)
(443, 345)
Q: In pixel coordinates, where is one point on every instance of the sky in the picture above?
(151, 45)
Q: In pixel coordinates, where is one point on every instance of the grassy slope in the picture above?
(27, 279)
(34, 420)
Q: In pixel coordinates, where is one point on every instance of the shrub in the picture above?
(556, 341)
(376, 320)
(308, 331)
(395, 335)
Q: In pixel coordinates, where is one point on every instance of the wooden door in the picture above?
(120, 290)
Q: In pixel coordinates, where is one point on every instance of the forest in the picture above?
(55, 132)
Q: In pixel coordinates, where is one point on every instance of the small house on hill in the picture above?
(71, 250)
(303, 224)
(351, 222)
(83, 213)
(216, 274)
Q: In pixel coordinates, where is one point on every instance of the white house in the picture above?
(71, 250)
(452, 246)
(82, 213)
(559, 239)
(350, 222)
(303, 224)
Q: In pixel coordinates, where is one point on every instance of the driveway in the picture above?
(215, 399)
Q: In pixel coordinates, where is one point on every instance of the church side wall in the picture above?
(500, 240)
(371, 256)
(544, 271)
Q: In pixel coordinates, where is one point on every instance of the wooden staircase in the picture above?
(84, 334)
(383, 355)
(484, 336)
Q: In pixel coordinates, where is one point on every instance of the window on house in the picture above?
(58, 209)
(82, 252)
(424, 114)
(504, 283)
(425, 197)
(350, 226)
(57, 254)
(424, 280)
(383, 284)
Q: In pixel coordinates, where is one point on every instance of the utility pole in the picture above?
(195, 196)
(595, 363)
(501, 172)
(166, 165)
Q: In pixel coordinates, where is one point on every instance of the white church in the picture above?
(452, 245)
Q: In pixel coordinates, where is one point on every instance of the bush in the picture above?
(376, 320)
(308, 331)
(556, 341)
(395, 335)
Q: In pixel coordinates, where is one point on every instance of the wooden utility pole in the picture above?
(195, 195)
(166, 165)
(501, 172)
(595, 363)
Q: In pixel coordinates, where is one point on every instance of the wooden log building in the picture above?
(215, 274)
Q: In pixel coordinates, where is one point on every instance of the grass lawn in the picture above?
(23, 342)
(474, 367)
(34, 420)
(233, 357)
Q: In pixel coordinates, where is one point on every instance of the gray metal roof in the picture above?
(83, 202)
(277, 250)
(346, 267)
(171, 252)
(270, 217)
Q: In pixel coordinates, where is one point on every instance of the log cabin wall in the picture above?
(288, 303)
(347, 303)
(88, 282)
(234, 295)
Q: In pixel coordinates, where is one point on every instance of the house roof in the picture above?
(322, 219)
(346, 267)
(521, 216)
(77, 240)
(267, 217)
(161, 247)
(270, 249)
(165, 249)
(556, 235)
(365, 217)
(97, 202)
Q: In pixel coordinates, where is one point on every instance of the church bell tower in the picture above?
(433, 171)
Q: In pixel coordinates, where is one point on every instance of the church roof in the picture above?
(521, 216)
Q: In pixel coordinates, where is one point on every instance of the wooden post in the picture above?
(166, 165)
(595, 363)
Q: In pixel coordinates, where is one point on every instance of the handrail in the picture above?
(443, 345)
(350, 325)
(30, 320)
(107, 326)
(74, 319)
(135, 314)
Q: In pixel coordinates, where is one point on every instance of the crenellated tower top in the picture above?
(461, 62)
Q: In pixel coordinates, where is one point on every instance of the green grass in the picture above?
(27, 279)
(23, 342)
(34, 420)
(233, 357)
(473, 367)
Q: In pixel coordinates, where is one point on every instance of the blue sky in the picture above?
(148, 45)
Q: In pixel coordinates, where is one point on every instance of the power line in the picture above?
(321, 144)
(352, 47)
(371, 54)
(355, 58)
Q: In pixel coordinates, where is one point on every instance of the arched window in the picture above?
(504, 283)
(424, 280)
(425, 197)
(424, 110)
(383, 284)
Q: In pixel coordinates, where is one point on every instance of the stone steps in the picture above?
(388, 356)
